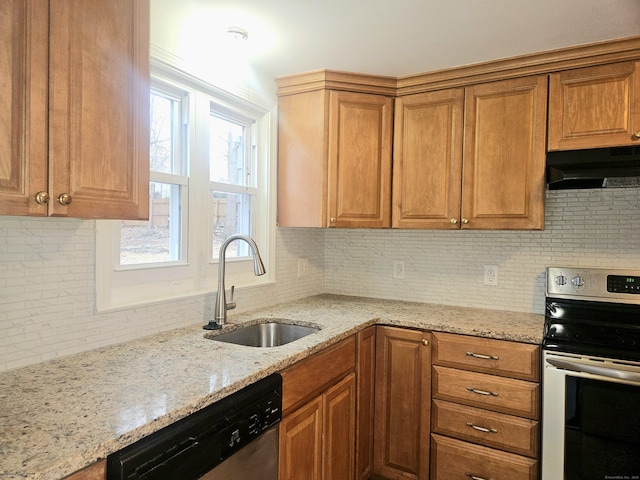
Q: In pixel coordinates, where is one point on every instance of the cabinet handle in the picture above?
(482, 392)
(332, 219)
(425, 342)
(42, 198)
(64, 199)
(482, 429)
(636, 136)
(454, 221)
(465, 220)
(474, 477)
(483, 357)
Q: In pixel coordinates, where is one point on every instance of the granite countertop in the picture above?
(60, 416)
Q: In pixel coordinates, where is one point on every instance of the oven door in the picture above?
(590, 418)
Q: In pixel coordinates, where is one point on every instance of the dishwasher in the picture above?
(234, 438)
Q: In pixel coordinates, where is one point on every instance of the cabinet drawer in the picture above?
(487, 355)
(506, 432)
(313, 374)
(457, 460)
(506, 395)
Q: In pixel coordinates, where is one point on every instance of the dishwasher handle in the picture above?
(594, 370)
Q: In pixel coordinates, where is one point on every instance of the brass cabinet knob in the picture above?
(425, 342)
(454, 221)
(636, 136)
(465, 220)
(64, 199)
(42, 198)
(332, 219)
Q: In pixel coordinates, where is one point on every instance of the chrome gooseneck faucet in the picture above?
(221, 307)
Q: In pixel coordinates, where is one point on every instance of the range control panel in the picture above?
(597, 284)
(623, 284)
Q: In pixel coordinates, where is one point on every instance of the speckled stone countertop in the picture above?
(60, 416)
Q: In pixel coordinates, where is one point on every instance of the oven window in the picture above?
(602, 430)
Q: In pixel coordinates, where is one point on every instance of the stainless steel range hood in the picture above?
(594, 168)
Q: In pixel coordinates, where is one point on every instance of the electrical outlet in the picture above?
(491, 275)
(303, 267)
(398, 269)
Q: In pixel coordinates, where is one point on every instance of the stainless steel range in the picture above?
(591, 375)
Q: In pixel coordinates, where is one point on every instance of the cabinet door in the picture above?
(99, 108)
(339, 411)
(300, 443)
(595, 107)
(503, 182)
(366, 362)
(23, 105)
(427, 160)
(302, 159)
(360, 130)
(403, 393)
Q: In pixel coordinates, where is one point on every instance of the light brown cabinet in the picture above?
(334, 159)
(74, 140)
(96, 471)
(365, 371)
(317, 432)
(595, 107)
(486, 403)
(484, 173)
(403, 393)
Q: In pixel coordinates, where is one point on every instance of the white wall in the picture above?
(583, 227)
(47, 306)
(47, 271)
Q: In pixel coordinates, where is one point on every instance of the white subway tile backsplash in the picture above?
(47, 271)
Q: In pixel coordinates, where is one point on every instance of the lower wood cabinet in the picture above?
(403, 396)
(454, 459)
(95, 471)
(318, 428)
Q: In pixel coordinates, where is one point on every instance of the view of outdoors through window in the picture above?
(230, 179)
(160, 238)
(230, 186)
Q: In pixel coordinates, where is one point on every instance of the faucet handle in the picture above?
(231, 304)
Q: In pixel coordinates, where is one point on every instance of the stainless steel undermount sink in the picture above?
(268, 334)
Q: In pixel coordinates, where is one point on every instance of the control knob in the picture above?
(577, 281)
(561, 280)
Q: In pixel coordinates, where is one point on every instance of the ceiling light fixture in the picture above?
(237, 33)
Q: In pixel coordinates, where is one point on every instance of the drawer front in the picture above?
(506, 432)
(457, 460)
(312, 375)
(505, 395)
(498, 357)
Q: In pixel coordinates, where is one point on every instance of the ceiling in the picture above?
(402, 37)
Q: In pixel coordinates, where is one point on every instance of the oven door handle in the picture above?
(595, 370)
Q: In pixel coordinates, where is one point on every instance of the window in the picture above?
(209, 179)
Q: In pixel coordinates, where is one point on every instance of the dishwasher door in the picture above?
(256, 461)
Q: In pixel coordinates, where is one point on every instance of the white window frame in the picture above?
(119, 287)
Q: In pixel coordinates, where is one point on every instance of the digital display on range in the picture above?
(623, 284)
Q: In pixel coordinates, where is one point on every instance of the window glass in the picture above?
(164, 133)
(228, 159)
(231, 215)
(158, 239)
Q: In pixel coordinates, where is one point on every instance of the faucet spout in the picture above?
(221, 305)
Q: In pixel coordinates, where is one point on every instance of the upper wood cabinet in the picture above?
(503, 184)
(427, 160)
(23, 105)
(595, 107)
(334, 160)
(81, 136)
(493, 179)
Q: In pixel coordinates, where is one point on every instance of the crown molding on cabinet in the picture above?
(537, 63)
